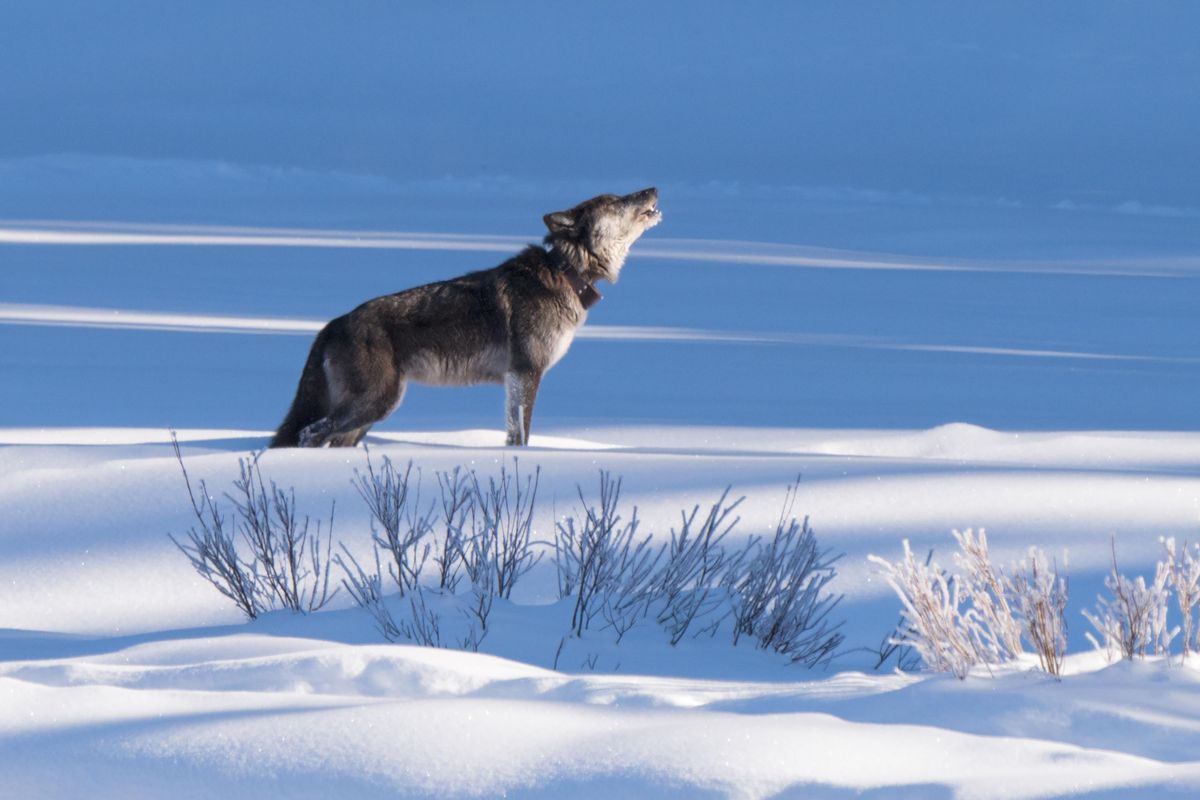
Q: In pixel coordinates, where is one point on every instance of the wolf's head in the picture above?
(596, 235)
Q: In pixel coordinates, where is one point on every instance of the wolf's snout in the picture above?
(646, 196)
(647, 203)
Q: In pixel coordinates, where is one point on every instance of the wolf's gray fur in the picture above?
(504, 325)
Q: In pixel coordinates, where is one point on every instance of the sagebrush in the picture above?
(472, 546)
(263, 556)
(982, 614)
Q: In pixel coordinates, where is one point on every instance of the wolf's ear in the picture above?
(558, 221)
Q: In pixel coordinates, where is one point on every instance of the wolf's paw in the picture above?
(314, 435)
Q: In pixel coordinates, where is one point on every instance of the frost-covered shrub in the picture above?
(418, 618)
(896, 643)
(264, 556)
(985, 588)
(1132, 620)
(940, 628)
(366, 589)
(399, 529)
(476, 612)
(500, 550)
(981, 615)
(424, 624)
(1039, 598)
(487, 538)
(399, 526)
(772, 589)
(602, 563)
(691, 582)
(457, 501)
(1183, 571)
(779, 591)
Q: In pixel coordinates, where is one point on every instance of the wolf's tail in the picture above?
(311, 401)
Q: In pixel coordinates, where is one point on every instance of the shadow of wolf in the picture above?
(508, 324)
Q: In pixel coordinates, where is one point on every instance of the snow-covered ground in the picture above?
(943, 263)
(295, 717)
(125, 673)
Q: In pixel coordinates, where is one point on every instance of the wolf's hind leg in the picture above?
(350, 420)
(346, 430)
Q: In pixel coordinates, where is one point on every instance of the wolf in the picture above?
(508, 324)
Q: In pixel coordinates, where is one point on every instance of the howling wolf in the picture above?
(507, 324)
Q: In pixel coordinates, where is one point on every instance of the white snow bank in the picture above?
(390, 720)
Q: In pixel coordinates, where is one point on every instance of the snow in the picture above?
(298, 717)
(143, 676)
(940, 262)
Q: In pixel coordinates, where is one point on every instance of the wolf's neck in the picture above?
(589, 264)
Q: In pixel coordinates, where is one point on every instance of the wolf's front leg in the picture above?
(520, 390)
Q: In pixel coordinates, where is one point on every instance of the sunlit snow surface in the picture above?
(123, 673)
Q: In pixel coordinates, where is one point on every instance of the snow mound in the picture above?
(300, 718)
(318, 668)
(971, 443)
